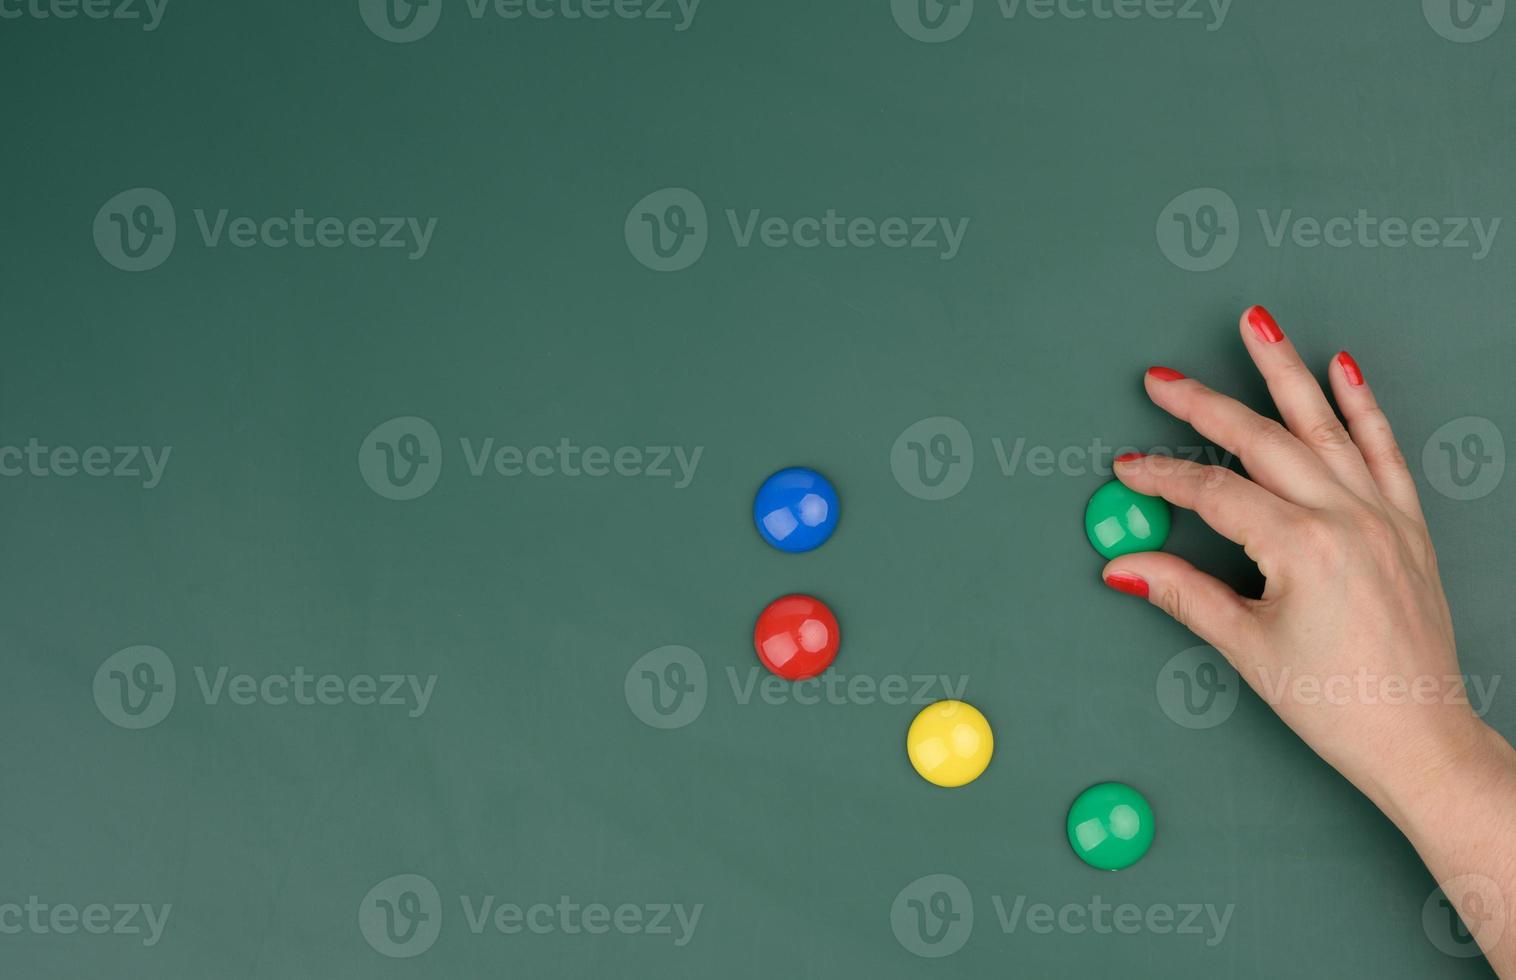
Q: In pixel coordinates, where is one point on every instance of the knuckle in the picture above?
(1171, 601)
(1294, 372)
(1377, 534)
(1374, 421)
(1361, 536)
(1390, 455)
(1214, 479)
(1324, 543)
(1267, 437)
(1164, 467)
(1378, 439)
(1328, 433)
(1385, 449)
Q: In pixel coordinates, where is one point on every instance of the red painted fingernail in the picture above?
(1350, 369)
(1128, 457)
(1128, 583)
(1164, 374)
(1262, 322)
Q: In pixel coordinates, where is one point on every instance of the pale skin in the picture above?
(1351, 642)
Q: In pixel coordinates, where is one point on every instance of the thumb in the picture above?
(1201, 602)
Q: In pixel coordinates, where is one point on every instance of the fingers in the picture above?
(1200, 602)
(1274, 458)
(1371, 431)
(1237, 508)
(1300, 400)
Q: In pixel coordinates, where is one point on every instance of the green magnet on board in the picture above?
(1110, 826)
(1121, 521)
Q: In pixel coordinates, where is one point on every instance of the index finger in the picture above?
(1278, 461)
(1235, 507)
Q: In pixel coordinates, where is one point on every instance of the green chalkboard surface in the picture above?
(384, 387)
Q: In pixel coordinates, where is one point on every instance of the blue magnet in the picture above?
(796, 510)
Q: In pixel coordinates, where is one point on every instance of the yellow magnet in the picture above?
(950, 743)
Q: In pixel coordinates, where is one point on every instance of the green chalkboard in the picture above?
(383, 391)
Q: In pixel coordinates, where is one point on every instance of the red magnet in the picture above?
(797, 637)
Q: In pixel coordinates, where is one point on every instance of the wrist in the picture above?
(1448, 768)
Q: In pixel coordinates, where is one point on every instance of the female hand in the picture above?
(1351, 642)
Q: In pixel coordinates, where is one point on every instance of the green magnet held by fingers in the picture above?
(1121, 521)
